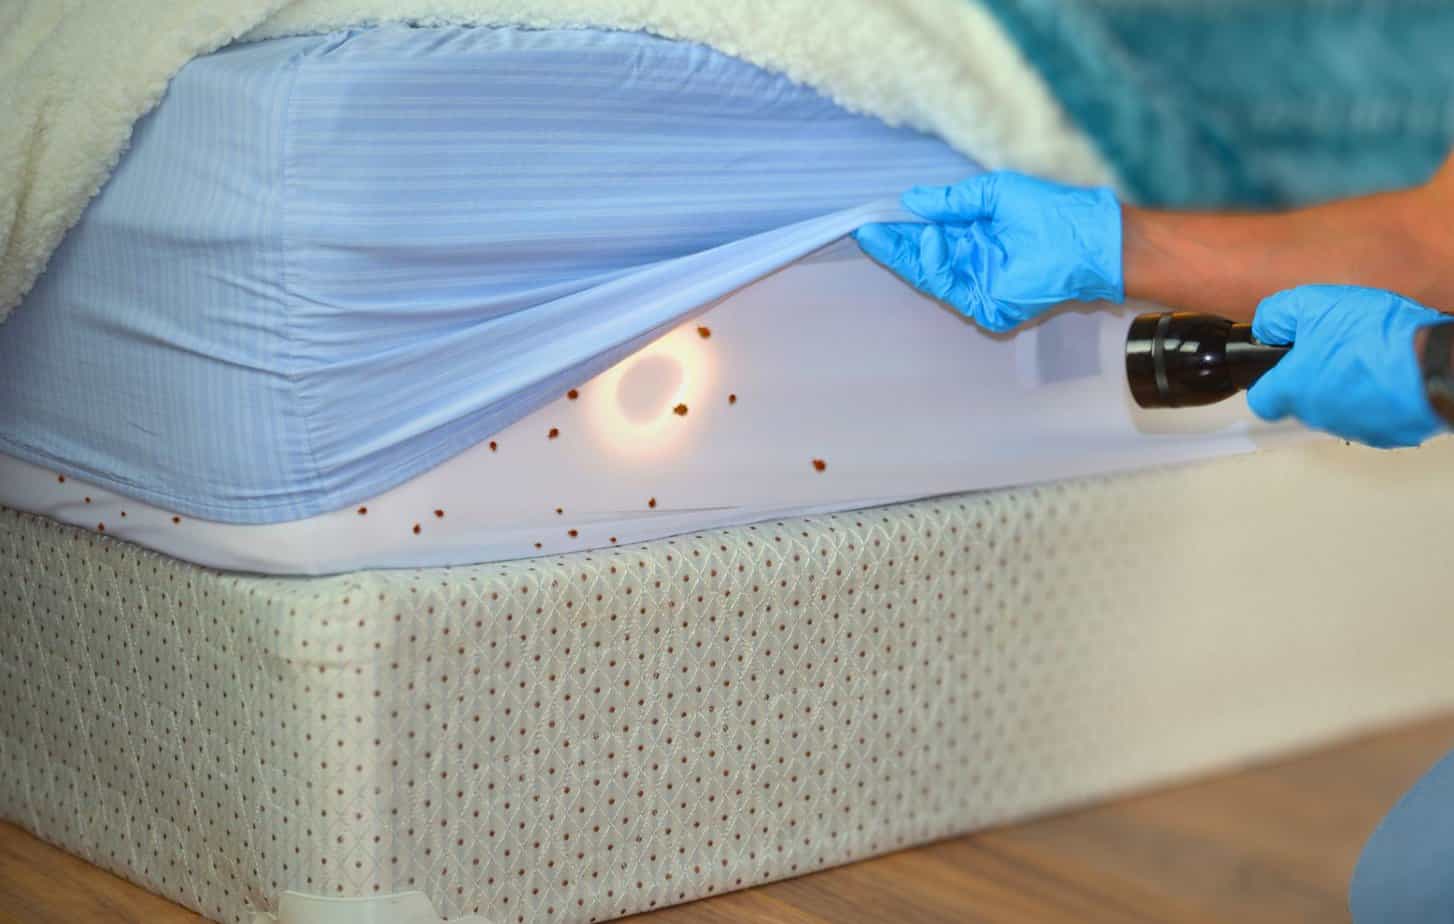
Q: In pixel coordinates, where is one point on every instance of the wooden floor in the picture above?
(1271, 844)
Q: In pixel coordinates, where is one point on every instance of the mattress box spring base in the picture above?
(583, 737)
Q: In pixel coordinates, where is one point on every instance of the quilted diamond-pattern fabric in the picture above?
(582, 737)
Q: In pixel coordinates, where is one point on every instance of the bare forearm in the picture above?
(1225, 263)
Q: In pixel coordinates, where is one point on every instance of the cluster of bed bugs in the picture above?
(553, 433)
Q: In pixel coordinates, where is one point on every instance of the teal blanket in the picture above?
(1224, 103)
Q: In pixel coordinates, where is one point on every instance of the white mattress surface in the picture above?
(827, 386)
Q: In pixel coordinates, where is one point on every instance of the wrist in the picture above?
(1105, 252)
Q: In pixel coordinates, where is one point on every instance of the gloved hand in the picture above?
(1352, 370)
(1001, 247)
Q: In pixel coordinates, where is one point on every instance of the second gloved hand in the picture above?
(1002, 247)
(1352, 370)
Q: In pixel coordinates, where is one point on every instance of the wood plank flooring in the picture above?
(1274, 843)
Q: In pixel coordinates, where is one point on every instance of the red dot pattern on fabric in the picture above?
(697, 715)
(634, 726)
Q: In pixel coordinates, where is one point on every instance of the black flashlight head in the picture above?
(1190, 360)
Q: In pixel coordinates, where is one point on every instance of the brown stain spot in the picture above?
(613, 540)
(176, 520)
(820, 465)
(573, 533)
(417, 529)
(100, 527)
(537, 545)
(559, 511)
(572, 394)
(494, 446)
(731, 399)
(123, 513)
(554, 432)
(704, 332)
(680, 410)
(61, 479)
(651, 503)
(363, 511)
(88, 500)
(439, 514)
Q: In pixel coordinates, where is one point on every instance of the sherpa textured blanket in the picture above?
(79, 73)
(1177, 101)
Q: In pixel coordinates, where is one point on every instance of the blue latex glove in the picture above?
(1352, 369)
(1001, 247)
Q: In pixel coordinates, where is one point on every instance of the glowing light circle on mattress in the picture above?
(721, 422)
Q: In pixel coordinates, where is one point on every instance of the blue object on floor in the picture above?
(1406, 873)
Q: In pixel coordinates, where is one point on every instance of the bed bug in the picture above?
(417, 529)
(680, 410)
(554, 432)
(494, 447)
(732, 399)
(651, 503)
(820, 465)
(704, 332)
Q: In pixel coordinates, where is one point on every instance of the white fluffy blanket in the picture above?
(75, 75)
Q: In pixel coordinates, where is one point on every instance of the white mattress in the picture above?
(832, 360)
(589, 735)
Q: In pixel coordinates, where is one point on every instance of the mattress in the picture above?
(409, 297)
(583, 736)
(327, 264)
(826, 386)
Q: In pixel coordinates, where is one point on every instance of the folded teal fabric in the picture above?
(1249, 102)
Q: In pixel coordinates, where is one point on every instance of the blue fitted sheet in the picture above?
(329, 263)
